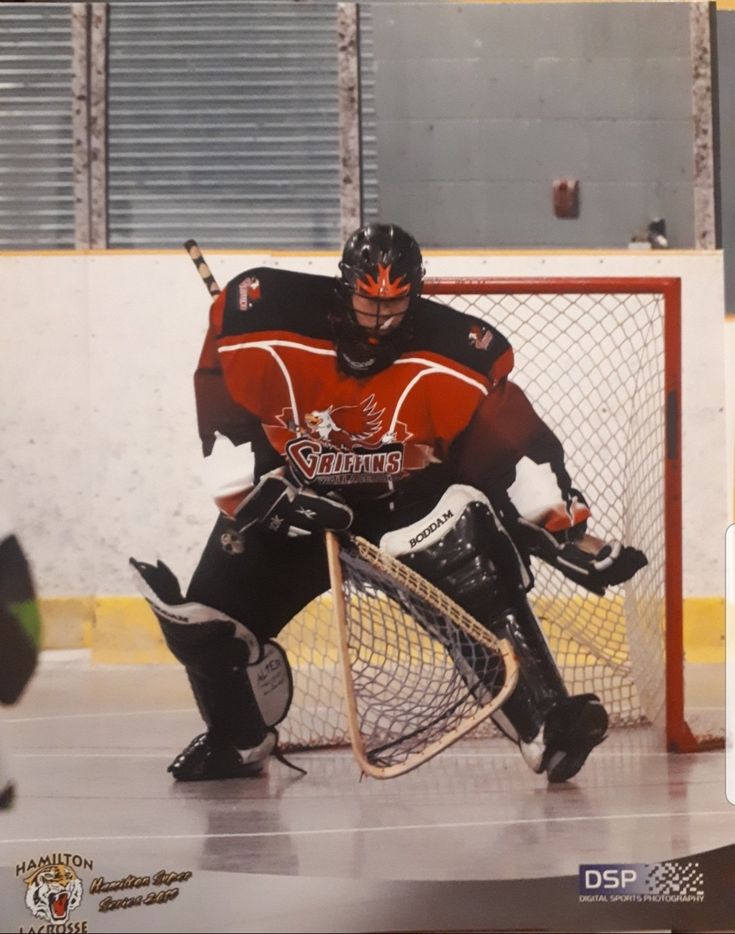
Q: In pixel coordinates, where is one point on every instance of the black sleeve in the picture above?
(505, 429)
(216, 410)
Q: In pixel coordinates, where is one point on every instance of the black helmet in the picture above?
(382, 263)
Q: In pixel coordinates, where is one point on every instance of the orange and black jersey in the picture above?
(268, 373)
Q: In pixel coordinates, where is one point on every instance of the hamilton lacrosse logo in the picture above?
(53, 892)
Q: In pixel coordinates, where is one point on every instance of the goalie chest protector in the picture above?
(278, 358)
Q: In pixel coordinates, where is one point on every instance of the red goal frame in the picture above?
(678, 734)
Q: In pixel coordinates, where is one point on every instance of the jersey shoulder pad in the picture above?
(266, 299)
(467, 339)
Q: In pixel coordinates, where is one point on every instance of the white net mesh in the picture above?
(593, 366)
(423, 671)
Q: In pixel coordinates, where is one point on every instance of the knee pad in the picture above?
(462, 547)
(192, 631)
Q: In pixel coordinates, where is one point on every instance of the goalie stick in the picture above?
(402, 646)
(210, 283)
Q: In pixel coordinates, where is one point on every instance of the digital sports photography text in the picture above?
(641, 882)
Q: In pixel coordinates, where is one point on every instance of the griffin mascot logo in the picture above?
(53, 892)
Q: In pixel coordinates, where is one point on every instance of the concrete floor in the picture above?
(91, 746)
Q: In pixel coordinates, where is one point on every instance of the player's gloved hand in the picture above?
(587, 561)
(280, 506)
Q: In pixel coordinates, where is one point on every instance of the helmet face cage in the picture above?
(382, 272)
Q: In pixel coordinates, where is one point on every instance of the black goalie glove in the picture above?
(589, 562)
(283, 508)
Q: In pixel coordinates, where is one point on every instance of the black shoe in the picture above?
(572, 730)
(7, 796)
(204, 760)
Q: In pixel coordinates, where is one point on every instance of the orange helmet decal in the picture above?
(382, 286)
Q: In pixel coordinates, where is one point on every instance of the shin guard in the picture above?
(242, 687)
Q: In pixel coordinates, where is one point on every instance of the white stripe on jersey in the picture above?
(431, 367)
(278, 343)
(268, 346)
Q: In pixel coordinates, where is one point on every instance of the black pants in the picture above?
(265, 582)
(262, 579)
(267, 578)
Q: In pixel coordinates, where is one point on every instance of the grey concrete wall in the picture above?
(480, 107)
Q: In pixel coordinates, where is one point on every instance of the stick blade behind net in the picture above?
(419, 672)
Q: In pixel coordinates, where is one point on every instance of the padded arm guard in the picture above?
(543, 494)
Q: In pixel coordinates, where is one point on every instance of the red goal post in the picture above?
(600, 359)
(679, 736)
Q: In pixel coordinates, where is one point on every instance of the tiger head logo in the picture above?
(53, 892)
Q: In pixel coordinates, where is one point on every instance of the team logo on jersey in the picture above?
(342, 425)
(249, 292)
(346, 444)
(480, 337)
(315, 462)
